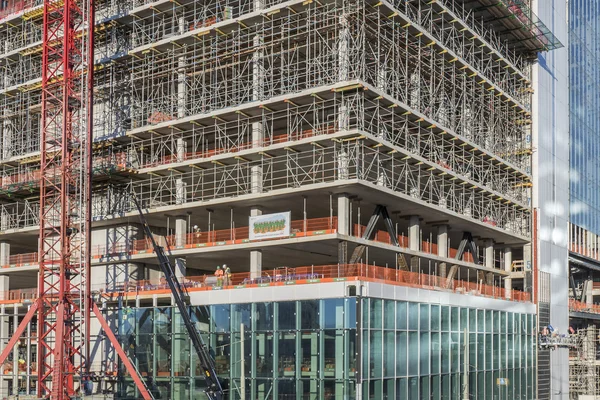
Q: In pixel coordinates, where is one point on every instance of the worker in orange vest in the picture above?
(219, 275)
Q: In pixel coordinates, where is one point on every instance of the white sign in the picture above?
(269, 226)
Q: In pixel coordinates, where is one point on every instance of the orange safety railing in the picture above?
(18, 296)
(21, 260)
(325, 273)
(303, 275)
(172, 158)
(298, 228)
(579, 306)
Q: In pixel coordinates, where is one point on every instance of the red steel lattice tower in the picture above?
(64, 305)
(65, 189)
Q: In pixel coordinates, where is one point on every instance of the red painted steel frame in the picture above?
(111, 336)
(64, 304)
(64, 310)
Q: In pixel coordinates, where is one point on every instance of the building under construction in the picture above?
(362, 168)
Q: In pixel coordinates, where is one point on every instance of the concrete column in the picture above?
(181, 77)
(414, 233)
(258, 70)
(4, 281)
(343, 50)
(181, 230)
(343, 216)
(442, 246)
(180, 191)
(257, 179)
(343, 171)
(255, 255)
(589, 292)
(489, 260)
(257, 134)
(181, 149)
(508, 268)
(4, 253)
(414, 241)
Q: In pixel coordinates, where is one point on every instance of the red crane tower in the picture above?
(64, 305)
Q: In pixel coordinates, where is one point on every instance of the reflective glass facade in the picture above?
(584, 46)
(417, 351)
(335, 349)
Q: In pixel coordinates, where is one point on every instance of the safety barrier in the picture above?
(298, 228)
(319, 274)
(22, 260)
(276, 139)
(579, 306)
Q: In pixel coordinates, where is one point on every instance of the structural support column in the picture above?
(255, 255)
(4, 253)
(508, 268)
(181, 76)
(442, 246)
(180, 191)
(414, 241)
(181, 231)
(343, 226)
(589, 292)
(489, 260)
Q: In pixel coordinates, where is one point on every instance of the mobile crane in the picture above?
(214, 389)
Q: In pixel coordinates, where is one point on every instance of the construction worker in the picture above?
(227, 274)
(219, 275)
(197, 232)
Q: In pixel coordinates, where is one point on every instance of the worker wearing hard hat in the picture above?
(219, 275)
(227, 274)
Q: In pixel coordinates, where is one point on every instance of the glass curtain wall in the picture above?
(426, 351)
(321, 349)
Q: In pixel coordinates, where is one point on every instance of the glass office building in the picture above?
(584, 46)
(339, 348)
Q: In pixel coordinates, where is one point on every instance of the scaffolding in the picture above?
(197, 102)
(584, 365)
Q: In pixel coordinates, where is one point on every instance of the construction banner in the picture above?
(270, 226)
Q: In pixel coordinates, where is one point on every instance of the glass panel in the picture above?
(263, 317)
(413, 316)
(376, 354)
(309, 316)
(287, 354)
(454, 319)
(401, 353)
(219, 315)
(401, 388)
(310, 354)
(240, 314)
(413, 353)
(435, 353)
(424, 317)
(413, 388)
(435, 388)
(286, 315)
(333, 313)
(263, 343)
(445, 318)
(375, 313)
(425, 393)
(424, 353)
(435, 318)
(401, 315)
(390, 314)
(333, 355)
(388, 354)
(350, 313)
